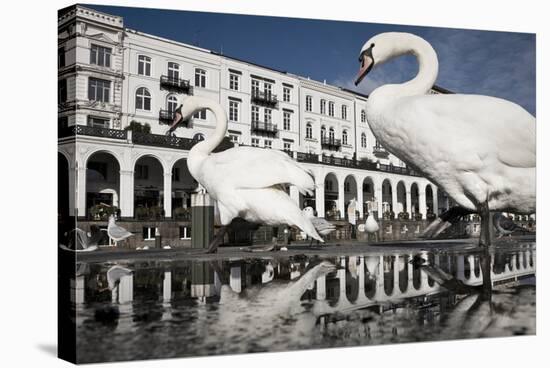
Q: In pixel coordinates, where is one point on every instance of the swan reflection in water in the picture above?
(189, 308)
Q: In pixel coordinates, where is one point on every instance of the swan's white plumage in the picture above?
(247, 182)
(477, 148)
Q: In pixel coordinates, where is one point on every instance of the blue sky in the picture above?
(499, 64)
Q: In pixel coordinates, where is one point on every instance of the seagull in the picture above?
(322, 226)
(115, 232)
(371, 226)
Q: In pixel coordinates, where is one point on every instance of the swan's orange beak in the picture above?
(366, 65)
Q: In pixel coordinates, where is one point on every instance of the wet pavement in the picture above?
(178, 303)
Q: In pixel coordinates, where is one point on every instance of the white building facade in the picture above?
(112, 78)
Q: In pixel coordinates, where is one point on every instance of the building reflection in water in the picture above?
(299, 302)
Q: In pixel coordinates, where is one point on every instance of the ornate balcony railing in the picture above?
(92, 131)
(312, 158)
(176, 84)
(331, 143)
(159, 140)
(264, 98)
(259, 126)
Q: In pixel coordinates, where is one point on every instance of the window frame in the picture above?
(103, 52)
(286, 120)
(309, 103)
(173, 71)
(234, 110)
(309, 131)
(200, 78)
(286, 94)
(234, 81)
(97, 87)
(146, 96)
(147, 62)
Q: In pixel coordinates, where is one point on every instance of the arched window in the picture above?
(331, 134)
(171, 103)
(363, 116)
(173, 71)
(309, 131)
(363, 140)
(143, 99)
(200, 78)
(345, 137)
(198, 137)
(323, 132)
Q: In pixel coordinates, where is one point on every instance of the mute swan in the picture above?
(246, 182)
(479, 149)
(115, 232)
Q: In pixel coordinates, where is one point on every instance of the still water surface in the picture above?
(190, 308)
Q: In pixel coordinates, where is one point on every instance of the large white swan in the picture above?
(479, 149)
(246, 182)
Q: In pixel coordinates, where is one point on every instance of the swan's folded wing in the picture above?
(251, 167)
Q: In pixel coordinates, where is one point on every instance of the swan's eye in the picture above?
(372, 45)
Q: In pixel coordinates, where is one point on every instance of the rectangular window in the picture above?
(344, 112)
(255, 87)
(331, 108)
(201, 114)
(98, 122)
(142, 172)
(267, 115)
(255, 114)
(267, 143)
(200, 78)
(286, 120)
(323, 107)
(185, 232)
(233, 111)
(234, 82)
(308, 103)
(286, 94)
(173, 71)
(144, 65)
(287, 146)
(149, 232)
(255, 142)
(100, 55)
(267, 89)
(99, 90)
(61, 90)
(61, 57)
(234, 138)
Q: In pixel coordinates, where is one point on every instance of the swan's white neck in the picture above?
(201, 150)
(428, 67)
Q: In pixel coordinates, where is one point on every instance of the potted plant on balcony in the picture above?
(403, 215)
(142, 213)
(417, 216)
(431, 216)
(388, 215)
(137, 127)
(102, 211)
(156, 213)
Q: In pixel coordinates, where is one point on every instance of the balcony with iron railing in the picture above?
(159, 140)
(381, 152)
(264, 98)
(176, 84)
(263, 127)
(330, 143)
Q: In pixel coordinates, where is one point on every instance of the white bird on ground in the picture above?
(322, 226)
(115, 232)
(371, 226)
(246, 182)
(478, 149)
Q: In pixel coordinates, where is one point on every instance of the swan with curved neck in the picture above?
(479, 149)
(246, 182)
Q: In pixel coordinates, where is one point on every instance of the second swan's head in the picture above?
(381, 48)
(187, 106)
